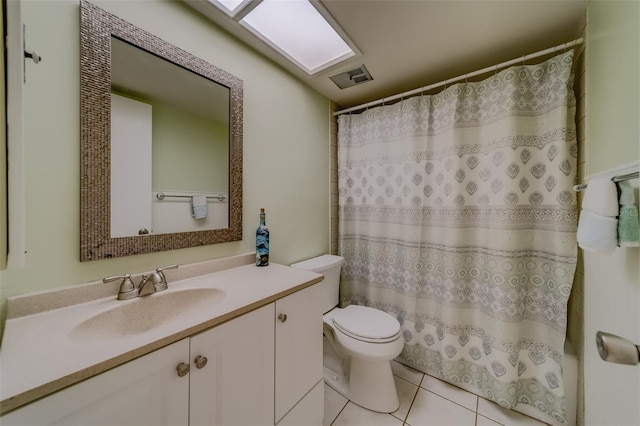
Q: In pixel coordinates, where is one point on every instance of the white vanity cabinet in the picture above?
(261, 368)
(235, 387)
(145, 391)
(299, 357)
(232, 382)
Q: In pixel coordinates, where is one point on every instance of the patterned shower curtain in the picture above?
(457, 216)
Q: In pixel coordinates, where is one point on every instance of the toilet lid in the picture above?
(367, 324)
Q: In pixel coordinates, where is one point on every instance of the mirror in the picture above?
(172, 139)
(161, 143)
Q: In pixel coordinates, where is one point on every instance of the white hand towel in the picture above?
(199, 208)
(597, 233)
(601, 197)
(598, 225)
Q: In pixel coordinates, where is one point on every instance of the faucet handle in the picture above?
(162, 268)
(163, 284)
(128, 290)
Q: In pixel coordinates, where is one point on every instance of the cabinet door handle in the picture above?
(183, 369)
(200, 361)
(282, 317)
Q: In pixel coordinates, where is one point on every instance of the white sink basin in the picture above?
(143, 314)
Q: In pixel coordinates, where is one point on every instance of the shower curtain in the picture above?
(457, 216)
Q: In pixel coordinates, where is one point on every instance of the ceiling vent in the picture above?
(352, 77)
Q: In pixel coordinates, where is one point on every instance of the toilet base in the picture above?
(370, 385)
(336, 382)
(360, 370)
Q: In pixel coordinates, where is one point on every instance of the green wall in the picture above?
(190, 152)
(613, 85)
(286, 147)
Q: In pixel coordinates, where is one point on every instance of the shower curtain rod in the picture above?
(523, 58)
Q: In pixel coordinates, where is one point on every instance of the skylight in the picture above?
(302, 32)
(230, 7)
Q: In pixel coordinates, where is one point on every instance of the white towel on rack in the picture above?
(199, 208)
(598, 225)
(597, 233)
(601, 197)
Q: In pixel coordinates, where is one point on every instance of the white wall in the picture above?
(286, 140)
(612, 283)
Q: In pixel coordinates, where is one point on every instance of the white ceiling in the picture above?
(407, 44)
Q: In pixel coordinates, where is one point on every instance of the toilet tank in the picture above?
(329, 266)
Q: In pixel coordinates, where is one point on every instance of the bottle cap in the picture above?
(261, 210)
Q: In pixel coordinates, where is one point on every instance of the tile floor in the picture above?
(424, 401)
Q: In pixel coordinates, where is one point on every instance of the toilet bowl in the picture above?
(359, 344)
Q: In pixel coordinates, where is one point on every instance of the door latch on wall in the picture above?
(617, 349)
(33, 55)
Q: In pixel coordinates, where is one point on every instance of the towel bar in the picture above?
(161, 196)
(620, 178)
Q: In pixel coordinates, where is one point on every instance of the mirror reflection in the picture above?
(160, 143)
(169, 146)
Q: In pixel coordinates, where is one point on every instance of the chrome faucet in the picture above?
(146, 286)
(149, 283)
(155, 281)
(158, 278)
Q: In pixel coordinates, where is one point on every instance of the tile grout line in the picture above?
(339, 412)
(487, 417)
(444, 397)
(441, 396)
(477, 405)
(404, 422)
(450, 400)
(414, 397)
(419, 386)
(406, 417)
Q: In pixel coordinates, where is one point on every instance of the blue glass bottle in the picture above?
(262, 242)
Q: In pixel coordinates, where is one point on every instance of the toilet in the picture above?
(359, 343)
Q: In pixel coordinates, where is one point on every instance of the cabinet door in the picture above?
(235, 387)
(298, 346)
(146, 391)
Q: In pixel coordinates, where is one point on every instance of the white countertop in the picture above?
(40, 354)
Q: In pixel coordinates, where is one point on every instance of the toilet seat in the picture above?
(366, 324)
